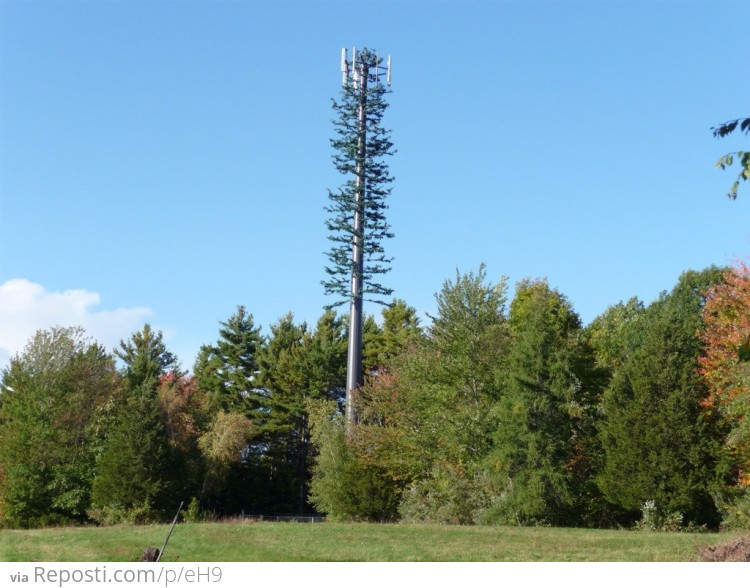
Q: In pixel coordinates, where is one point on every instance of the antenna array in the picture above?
(351, 71)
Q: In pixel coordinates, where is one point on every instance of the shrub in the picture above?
(343, 486)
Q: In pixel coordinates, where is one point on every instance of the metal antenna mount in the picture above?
(353, 70)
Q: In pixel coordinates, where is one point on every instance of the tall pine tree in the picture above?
(137, 477)
(298, 366)
(360, 99)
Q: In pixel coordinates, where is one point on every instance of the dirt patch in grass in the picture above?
(737, 550)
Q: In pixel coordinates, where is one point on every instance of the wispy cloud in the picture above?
(26, 307)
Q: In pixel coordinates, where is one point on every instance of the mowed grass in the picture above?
(237, 541)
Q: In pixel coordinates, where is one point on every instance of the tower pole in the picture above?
(363, 69)
(354, 355)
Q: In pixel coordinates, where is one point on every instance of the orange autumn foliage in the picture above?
(726, 319)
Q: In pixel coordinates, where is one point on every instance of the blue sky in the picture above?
(165, 161)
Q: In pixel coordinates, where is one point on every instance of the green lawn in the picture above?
(350, 542)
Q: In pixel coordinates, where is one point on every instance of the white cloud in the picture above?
(26, 307)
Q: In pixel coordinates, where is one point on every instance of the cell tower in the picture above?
(361, 70)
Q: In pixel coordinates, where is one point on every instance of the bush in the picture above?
(735, 511)
(116, 514)
(654, 519)
(342, 486)
(447, 496)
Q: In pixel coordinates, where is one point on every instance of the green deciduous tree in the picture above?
(539, 461)
(742, 156)
(222, 447)
(344, 486)
(52, 394)
(425, 422)
(606, 333)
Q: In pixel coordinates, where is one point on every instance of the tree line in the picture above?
(499, 411)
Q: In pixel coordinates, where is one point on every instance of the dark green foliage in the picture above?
(487, 416)
(660, 446)
(297, 366)
(135, 473)
(369, 199)
(743, 351)
(145, 357)
(400, 330)
(52, 395)
(226, 372)
(539, 459)
(743, 156)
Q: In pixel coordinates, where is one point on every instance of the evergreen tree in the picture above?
(227, 371)
(146, 358)
(400, 330)
(298, 366)
(360, 160)
(137, 472)
(661, 449)
(372, 337)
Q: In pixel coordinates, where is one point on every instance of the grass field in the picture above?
(207, 542)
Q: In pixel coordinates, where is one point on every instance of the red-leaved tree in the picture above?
(726, 319)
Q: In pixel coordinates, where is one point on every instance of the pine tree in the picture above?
(137, 470)
(297, 366)
(399, 331)
(357, 225)
(134, 474)
(227, 371)
(146, 358)
(361, 144)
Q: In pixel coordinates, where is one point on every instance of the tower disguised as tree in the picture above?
(357, 223)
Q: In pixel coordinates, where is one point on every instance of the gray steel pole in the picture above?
(354, 358)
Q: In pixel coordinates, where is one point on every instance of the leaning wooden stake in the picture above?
(174, 522)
